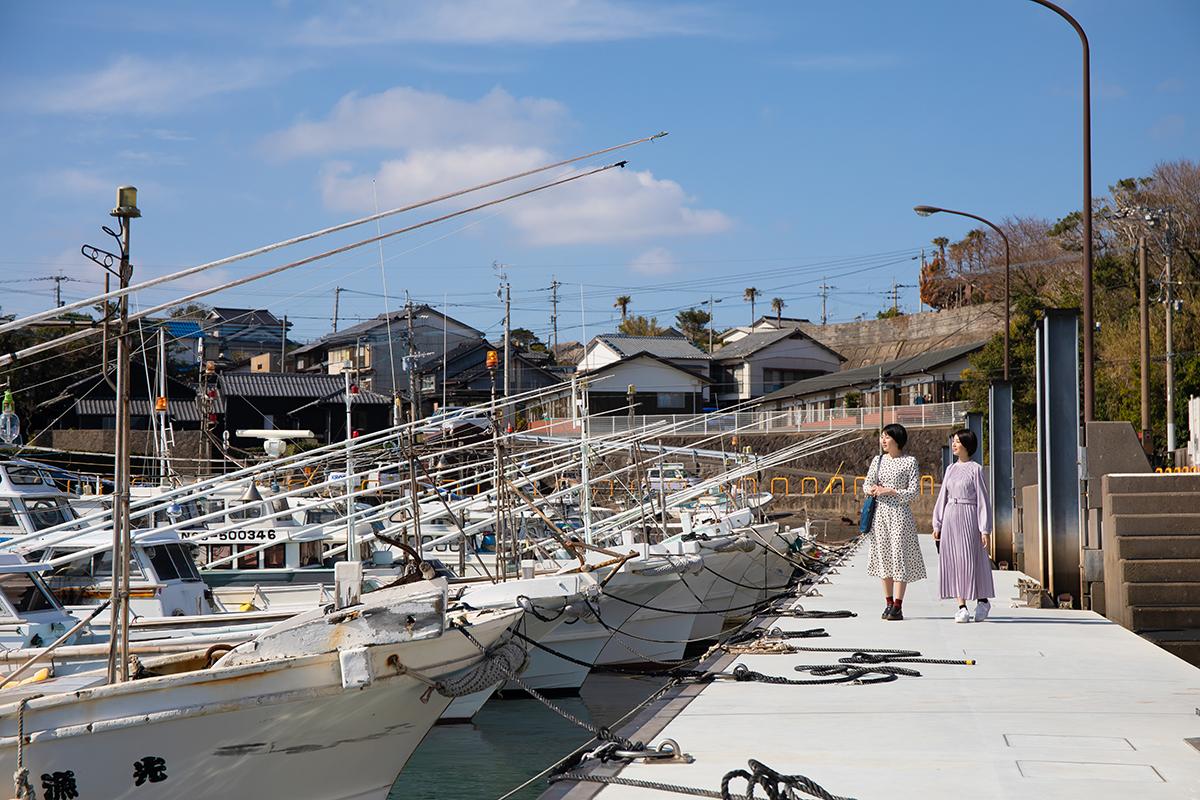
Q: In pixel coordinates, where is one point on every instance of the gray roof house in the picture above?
(764, 361)
(935, 375)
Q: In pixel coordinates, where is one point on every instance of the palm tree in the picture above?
(749, 295)
(623, 303)
(777, 305)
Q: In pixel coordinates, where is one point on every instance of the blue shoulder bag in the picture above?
(868, 509)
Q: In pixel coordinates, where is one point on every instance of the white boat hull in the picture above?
(304, 728)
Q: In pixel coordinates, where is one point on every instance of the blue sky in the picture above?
(801, 134)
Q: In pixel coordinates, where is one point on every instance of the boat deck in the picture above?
(1060, 704)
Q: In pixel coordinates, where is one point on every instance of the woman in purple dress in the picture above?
(962, 523)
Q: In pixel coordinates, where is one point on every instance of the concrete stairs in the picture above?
(1151, 543)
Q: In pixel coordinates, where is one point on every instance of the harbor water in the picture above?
(512, 740)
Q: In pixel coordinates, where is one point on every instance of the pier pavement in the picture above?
(1059, 704)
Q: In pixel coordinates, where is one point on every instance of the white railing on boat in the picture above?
(791, 420)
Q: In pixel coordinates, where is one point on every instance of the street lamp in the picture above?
(711, 301)
(925, 211)
(1089, 381)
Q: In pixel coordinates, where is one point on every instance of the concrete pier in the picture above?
(1060, 704)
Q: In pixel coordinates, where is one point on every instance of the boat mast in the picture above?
(118, 654)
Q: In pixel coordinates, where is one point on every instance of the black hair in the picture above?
(967, 439)
(898, 433)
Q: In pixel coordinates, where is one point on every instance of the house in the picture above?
(232, 336)
(936, 375)
(666, 374)
(673, 348)
(379, 348)
(267, 400)
(466, 379)
(765, 360)
(763, 324)
(90, 403)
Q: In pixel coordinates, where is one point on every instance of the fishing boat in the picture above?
(328, 705)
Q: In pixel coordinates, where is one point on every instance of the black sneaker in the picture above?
(887, 612)
(894, 614)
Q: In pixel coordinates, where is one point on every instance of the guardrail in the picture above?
(795, 420)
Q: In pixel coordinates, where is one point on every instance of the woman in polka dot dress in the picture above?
(895, 551)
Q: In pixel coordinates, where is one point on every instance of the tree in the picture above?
(623, 303)
(189, 311)
(694, 324)
(638, 325)
(750, 294)
(525, 339)
(889, 313)
(777, 305)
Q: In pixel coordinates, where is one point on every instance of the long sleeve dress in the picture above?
(895, 550)
(962, 513)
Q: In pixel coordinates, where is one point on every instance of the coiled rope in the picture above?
(776, 785)
(21, 784)
(505, 660)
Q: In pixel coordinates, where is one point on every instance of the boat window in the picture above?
(102, 566)
(171, 562)
(27, 476)
(246, 511)
(280, 506)
(8, 518)
(45, 512)
(160, 559)
(319, 516)
(310, 554)
(184, 563)
(24, 593)
(218, 551)
(275, 557)
(247, 562)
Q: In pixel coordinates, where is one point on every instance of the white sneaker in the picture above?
(981, 611)
(963, 615)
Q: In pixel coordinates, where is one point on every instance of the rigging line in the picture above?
(387, 309)
(10, 357)
(15, 324)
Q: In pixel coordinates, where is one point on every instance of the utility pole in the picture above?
(824, 287)
(554, 284)
(337, 294)
(413, 402)
(283, 345)
(1170, 295)
(1144, 343)
(710, 323)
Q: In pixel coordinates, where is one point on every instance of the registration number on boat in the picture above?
(247, 536)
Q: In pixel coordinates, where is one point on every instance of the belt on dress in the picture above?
(960, 501)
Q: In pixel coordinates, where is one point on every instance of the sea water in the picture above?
(510, 741)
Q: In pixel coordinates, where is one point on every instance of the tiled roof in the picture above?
(328, 389)
(864, 376)
(753, 342)
(661, 346)
(246, 316)
(179, 410)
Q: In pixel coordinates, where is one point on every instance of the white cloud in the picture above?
(134, 85)
(403, 118)
(445, 144)
(1171, 126)
(483, 22)
(655, 261)
(423, 174)
(614, 206)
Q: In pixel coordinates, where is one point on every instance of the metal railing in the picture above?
(794, 420)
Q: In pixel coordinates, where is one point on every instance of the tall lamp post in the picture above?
(925, 211)
(1089, 382)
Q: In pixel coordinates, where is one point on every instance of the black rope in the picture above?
(802, 613)
(747, 585)
(776, 785)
